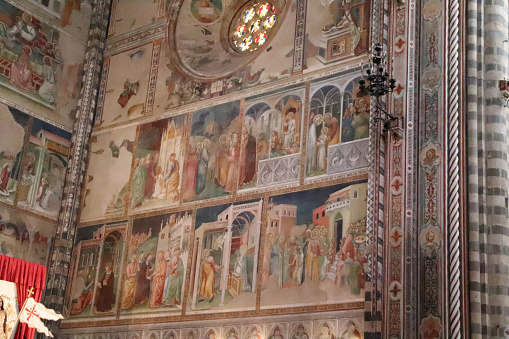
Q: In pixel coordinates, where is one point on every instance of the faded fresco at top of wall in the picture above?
(336, 31)
(25, 236)
(314, 249)
(129, 15)
(97, 271)
(39, 65)
(107, 177)
(227, 240)
(125, 93)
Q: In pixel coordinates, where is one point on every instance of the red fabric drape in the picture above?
(25, 275)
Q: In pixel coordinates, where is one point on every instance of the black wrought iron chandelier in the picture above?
(377, 83)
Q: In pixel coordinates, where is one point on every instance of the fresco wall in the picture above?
(42, 46)
(33, 161)
(223, 184)
(41, 59)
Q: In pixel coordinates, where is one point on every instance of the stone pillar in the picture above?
(487, 161)
(59, 264)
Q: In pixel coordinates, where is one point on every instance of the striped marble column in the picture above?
(487, 156)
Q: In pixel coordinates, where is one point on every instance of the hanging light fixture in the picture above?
(377, 83)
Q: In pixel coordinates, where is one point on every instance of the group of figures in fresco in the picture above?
(212, 153)
(313, 252)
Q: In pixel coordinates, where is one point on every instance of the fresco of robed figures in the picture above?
(14, 124)
(158, 166)
(225, 258)
(39, 66)
(158, 253)
(24, 236)
(337, 115)
(314, 249)
(126, 93)
(96, 273)
(107, 177)
(42, 174)
(337, 30)
(212, 154)
(271, 138)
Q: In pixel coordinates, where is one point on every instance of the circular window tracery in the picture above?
(252, 26)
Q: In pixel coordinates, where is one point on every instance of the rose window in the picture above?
(253, 26)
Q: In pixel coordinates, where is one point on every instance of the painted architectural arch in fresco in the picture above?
(97, 271)
(271, 140)
(314, 249)
(159, 164)
(158, 252)
(227, 239)
(337, 129)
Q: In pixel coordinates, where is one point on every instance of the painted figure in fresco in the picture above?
(143, 283)
(348, 132)
(139, 179)
(289, 127)
(175, 277)
(240, 268)
(82, 291)
(128, 295)
(190, 175)
(4, 176)
(21, 73)
(353, 277)
(325, 332)
(301, 333)
(311, 143)
(130, 89)
(47, 90)
(232, 334)
(254, 334)
(333, 128)
(105, 290)
(172, 178)
(348, 248)
(43, 185)
(158, 277)
(231, 163)
(203, 165)
(351, 332)
(340, 264)
(150, 180)
(209, 268)
(159, 183)
(321, 144)
(360, 121)
(276, 334)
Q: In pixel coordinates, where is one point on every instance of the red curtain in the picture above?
(25, 275)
